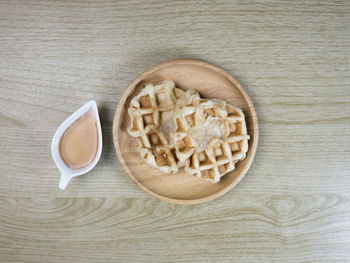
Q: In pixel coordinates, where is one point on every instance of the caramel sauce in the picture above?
(79, 143)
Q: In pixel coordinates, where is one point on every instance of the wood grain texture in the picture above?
(293, 58)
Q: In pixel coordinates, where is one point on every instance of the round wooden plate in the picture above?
(181, 188)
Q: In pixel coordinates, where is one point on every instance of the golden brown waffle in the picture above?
(175, 129)
(211, 137)
(150, 112)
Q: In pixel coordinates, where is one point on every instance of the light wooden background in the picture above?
(293, 57)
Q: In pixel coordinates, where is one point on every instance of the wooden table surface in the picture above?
(293, 58)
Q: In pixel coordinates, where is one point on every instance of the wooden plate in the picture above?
(181, 188)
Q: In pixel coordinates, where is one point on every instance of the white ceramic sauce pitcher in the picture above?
(68, 173)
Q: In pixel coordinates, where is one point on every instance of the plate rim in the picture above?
(129, 90)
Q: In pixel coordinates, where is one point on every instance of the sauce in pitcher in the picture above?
(79, 143)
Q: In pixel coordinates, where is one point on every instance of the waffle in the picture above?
(176, 129)
(151, 122)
